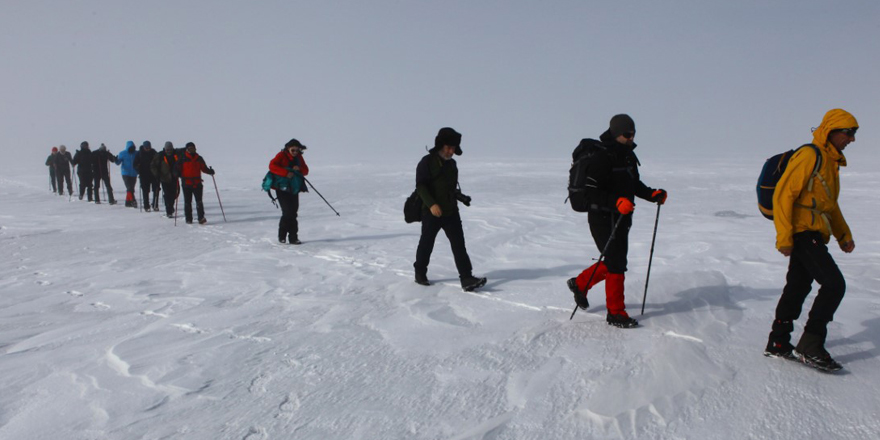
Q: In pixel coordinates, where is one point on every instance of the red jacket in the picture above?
(284, 162)
(190, 168)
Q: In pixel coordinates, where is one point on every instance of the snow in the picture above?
(115, 324)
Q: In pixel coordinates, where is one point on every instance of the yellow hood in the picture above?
(833, 120)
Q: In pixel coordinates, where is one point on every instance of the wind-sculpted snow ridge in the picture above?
(116, 324)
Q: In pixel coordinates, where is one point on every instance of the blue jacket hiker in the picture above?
(129, 172)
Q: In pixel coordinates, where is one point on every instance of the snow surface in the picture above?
(115, 324)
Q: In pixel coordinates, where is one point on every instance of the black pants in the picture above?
(169, 189)
(149, 183)
(451, 225)
(60, 177)
(188, 193)
(809, 260)
(85, 186)
(601, 225)
(97, 181)
(288, 226)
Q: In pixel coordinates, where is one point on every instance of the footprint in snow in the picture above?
(74, 293)
(287, 407)
(256, 433)
(44, 283)
(100, 306)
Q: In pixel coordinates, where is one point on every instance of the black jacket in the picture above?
(62, 162)
(84, 163)
(436, 182)
(613, 173)
(101, 159)
(143, 161)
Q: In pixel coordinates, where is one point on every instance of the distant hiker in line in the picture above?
(290, 168)
(190, 168)
(437, 186)
(164, 168)
(806, 215)
(126, 158)
(50, 163)
(62, 170)
(84, 167)
(143, 163)
(102, 159)
(612, 183)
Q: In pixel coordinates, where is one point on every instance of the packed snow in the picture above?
(117, 324)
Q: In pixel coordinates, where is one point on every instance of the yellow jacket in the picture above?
(801, 205)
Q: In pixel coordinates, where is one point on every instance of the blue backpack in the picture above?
(773, 169)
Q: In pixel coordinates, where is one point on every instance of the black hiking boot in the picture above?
(811, 351)
(783, 350)
(295, 241)
(579, 297)
(422, 279)
(282, 240)
(469, 283)
(203, 221)
(146, 208)
(621, 321)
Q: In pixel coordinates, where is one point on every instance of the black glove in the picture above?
(210, 171)
(659, 196)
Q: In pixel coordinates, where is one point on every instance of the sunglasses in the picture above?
(629, 134)
(849, 131)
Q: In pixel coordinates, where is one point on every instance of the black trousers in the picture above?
(60, 177)
(601, 225)
(288, 226)
(169, 190)
(451, 225)
(188, 193)
(52, 179)
(809, 261)
(149, 183)
(97, 181)
(85, 186)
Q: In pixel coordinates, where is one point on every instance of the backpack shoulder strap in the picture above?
(818, 166)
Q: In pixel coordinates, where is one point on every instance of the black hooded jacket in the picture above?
(612, 173)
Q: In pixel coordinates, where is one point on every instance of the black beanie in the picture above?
(84, 144)
(448, 136)
(169, 145)
(148, 144)
(190, 144)
(621, 124)
(295, 143)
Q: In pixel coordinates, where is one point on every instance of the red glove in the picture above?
(624, 206)
(659, 196)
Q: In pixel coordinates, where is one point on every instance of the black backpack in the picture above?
(772, 171)
(582, 157)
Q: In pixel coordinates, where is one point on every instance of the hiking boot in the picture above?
(422, 279)
(295, 241)
(282, 240)
(97, 202)
(811, 351)
(621, 321)
(189, 221)
(146, 208)
(203, 221)
(579, 296)
(155, 207)
(781, 350)
(112, 202)
(469, 283)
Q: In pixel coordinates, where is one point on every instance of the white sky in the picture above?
(376, 79)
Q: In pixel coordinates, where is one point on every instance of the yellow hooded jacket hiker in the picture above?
(801, 205)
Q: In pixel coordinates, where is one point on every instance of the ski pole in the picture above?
(176, 198)
(75, 183)
(319, 194)
(650, 259)
(218, 196)
(601, 256)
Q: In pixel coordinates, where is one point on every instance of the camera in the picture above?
(464, 199)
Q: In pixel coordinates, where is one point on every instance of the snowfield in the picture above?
(115, 324)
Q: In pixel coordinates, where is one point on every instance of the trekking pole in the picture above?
(601, 256)
(75, 183)
(142, 193)
(176, 198)
(218, 197)
(319, 194)
(650, 259)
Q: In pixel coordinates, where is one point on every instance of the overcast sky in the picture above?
(362, 79)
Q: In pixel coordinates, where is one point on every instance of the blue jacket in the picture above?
(126, 159)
